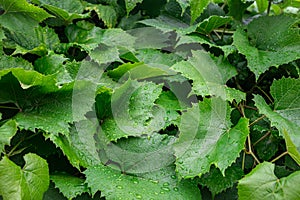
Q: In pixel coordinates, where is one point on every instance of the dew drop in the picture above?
(138, 196)
(166, 184)
(165, 188)
(173, 177)
(119, 187)
(175, 189)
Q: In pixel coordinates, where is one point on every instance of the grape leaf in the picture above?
(130, 4)
(114, 185)
(197, 7)
(167, 23)
(7, 131)
(199, 40)
(170, 102)
(263, 52)
(261, 183)
(79, 146)
(140, 154)
(209, 81)
(89, 37)
(30, 182)
(105, 55)
(216, 182)
(108, 14)
(67, 10)
(49, 64)
(206, 138)
(7, 62)
(262, 5)
(211, 23)
(284, 34)
(285, 115)
(153, 56)
(134, 110)
(46, 39)
(138, 71)
(16, 9)
(70, 186)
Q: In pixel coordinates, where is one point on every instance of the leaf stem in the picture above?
(257, 120)
(10, 153)
(269, 98)
(278, 157)
(250, 107)
(224, 31)
(243, 161)
(9, 107)
(262, 138)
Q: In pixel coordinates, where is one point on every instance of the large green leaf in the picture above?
(139, 155)
(114, 185)
(70, 186)
(207, 138)
(261, 183)
(66, 10)
(7, 131)
(156, 57)
(79, 146)
(16, 9)
(30, 182)
(211, 23)
(45, 39)
(264, 48)
(40, 105)
(209, 75)
(167, 24)
(200, 40)
(285, 115)
(138, 71)
(134, 111)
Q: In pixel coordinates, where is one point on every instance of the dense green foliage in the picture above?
(149, 99)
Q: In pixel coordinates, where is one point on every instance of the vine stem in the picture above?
(257, 120)
(278, 157)
(250, 150)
